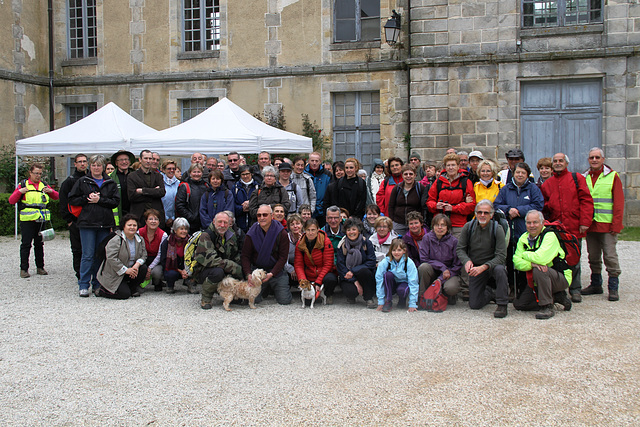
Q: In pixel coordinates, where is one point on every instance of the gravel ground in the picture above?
(161, 360)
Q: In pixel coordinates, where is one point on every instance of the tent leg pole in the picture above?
(16, 205)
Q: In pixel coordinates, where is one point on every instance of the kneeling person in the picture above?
(217, 255)
(535, 253)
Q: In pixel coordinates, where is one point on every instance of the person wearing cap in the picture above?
(296, 196)
(514, 156)
(475, 157)
(122, 160)
(416, 161)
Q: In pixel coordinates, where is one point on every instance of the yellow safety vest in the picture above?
(602, 194)
(34, 203)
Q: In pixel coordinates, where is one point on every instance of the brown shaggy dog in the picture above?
(230, 288)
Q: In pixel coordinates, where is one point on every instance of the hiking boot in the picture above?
(170, 291)
(562, 299)
(351, 300)
(24, 274)
(192, 287)
(158, 287)
(576, 297)
(613, 295)
(402, 303)
(386, 307)
(453, 299)
(205, 305)
(41, 271)
(371, 304)
(613, 284)
(592, 290)
(84, 293)
(500, 312)
(330, 300)
(547, 312)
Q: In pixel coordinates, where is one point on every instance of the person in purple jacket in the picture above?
(218, 198)
(438, 258)
(415, 235)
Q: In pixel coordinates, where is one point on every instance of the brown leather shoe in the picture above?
(24, 274)
(41, 271)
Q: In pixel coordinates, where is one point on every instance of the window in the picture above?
(357, 20)
(547, 13)
(193, 107)
(82, 29)
(201, 26)
(356, 126)
(76, 112)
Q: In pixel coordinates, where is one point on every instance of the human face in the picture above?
(276, 163)
(379, 169)
(285, 174)
(333, 219)
(146, 160)
(35, 175)
(234, 161)
(486, 173)
(408, 177)
(197, 158)
(265, 216)
(215, 182)
(152, 222)
(212, 163)
(534, 226)
(109, 169)
(130, 228)
(451, 151)
(269, 179)
(371, 217)
(559, 163)
(415, 162)
(352, 233)
(81, 164)
(182, 232)
(298, 166)
(415, 226)
(440, 229)
(278, 213)
(196, 174)
(156, 160)
(483, 214)
(314, 162)
(220, 165)
(473, 163)
(395, 168)
(520, 176)
(123, 162)
(343, 216)
(295, 227)
(398, 253)
(338, 172)
(383, 229)
(596, 160)
(311, 232)
(264, 159)
(178, 173)
(305, 214)
(96, 170)
(545, 172)
(452, 169)
(513, 161)
(464, 161)
(170, 170)
(221, 222)
(350, 169)
(245, 176)
(431, 171)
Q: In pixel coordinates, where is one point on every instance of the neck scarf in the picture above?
(381, 239)
(354, 254)
(263, 243)
(417, 237)
(486, 183)
(175, 250)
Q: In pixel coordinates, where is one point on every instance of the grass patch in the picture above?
(630, 234)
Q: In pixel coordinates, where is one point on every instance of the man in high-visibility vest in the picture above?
(608, 199)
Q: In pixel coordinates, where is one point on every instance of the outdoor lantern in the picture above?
(392, 29)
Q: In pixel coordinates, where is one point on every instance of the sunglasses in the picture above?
(483, 213)
(260, 215)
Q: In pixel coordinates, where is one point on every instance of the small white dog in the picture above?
(308, 291)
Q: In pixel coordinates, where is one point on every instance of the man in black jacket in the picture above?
(81, 163)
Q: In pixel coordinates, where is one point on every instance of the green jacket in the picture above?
(543, 252)
(212, 252)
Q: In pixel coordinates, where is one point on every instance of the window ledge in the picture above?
(79, 62)
(199, 55)
(354, 45)
(561, 31)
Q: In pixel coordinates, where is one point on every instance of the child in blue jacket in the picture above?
(398, 274)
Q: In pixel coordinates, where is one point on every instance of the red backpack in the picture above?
(433, 299)
(568, 242)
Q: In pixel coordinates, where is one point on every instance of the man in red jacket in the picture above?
(567, 199)
(602, 237)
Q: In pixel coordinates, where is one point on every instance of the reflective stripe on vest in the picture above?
(602, 194)
(34, 203)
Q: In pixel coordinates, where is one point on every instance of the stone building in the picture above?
(545, 76)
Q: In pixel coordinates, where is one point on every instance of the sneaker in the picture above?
(402, 303)
(371, 304)
(562, 299)
(84, 293)
(205, 305)
(500, 312)
(453, 299)
(158, 287)
(613, 295)
(351, 300)
(41, 271)
(592, 290)
(330, 300)
(576, 297)
(547, 312)
(24, 274)
(170, 291)
(386, 307)
(97, 292)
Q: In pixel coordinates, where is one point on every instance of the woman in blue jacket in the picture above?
(397, 273)
(217, 199)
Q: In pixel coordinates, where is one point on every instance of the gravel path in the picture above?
(161, 360)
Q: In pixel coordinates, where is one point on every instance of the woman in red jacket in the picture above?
(386, 187)
(452, 194)
(314, 259)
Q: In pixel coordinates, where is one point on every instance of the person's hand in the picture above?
(358, 287)
(317, 287)
(542, 268)
(269, 277)
(48, 190)
(294, 276)
(23, 190)
(379, 308)
(94, 197)
(183, 273)
(69, 224)
(446, 275)
(412, 309)
(583, 229)
(139, 190)
(468, 266)
(349, 275)
(146, 277)
(513, 212)
(468, 199)
(440, 205)
(245, 206)
(448, 208)
(132, 272)
(476, 271)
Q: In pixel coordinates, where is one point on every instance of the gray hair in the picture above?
(566, 158)
(362, 172)
(266, 205)
(535, 212)
(223, 213)
(269, 169)
(333, 209)
(485, 202)
(97, 159)
(178, 223)
(464, 153)
(597, 149)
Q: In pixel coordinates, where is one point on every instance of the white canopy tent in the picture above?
(222, 128)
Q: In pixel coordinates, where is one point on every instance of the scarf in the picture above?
(381, 240)
(264, 243)
(417, 237)
(175, 250)
(486, 183)
(354, 253)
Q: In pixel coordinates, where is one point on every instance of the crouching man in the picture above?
(217, 255)
(482, 250)
(540, 255)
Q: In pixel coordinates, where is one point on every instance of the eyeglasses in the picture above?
(483, 213)
(595, 158)
(261, 215)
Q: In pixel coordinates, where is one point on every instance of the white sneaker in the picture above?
(84, 293)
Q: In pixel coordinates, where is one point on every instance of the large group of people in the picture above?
(462, 226)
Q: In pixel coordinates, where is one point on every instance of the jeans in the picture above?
(90, 238)
(76, 247)
(29, 231)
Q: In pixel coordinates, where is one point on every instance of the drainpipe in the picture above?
(408, 70)
(51, 117)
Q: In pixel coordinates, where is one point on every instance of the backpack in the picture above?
(433, 299)
(462, 185)
(498, 218)
(190, 251)
(568, 242)
(101, 250)
(186, 184)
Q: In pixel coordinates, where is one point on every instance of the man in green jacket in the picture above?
(535, 253)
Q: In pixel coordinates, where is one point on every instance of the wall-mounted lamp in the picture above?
(392, 29)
